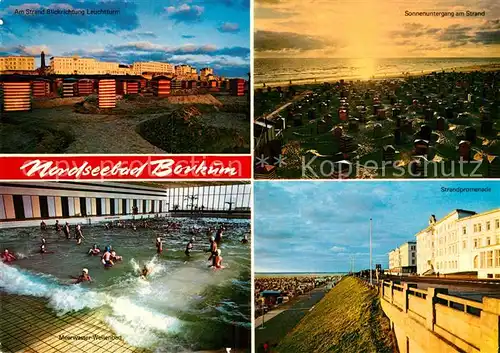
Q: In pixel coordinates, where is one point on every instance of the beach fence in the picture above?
(16, 95)
(69, 85)
(237, 87)
(107, 93)
(85, 87)
(162, 86)
(41, 88)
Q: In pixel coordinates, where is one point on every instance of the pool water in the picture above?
(182, 306)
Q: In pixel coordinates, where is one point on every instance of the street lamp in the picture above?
(371, 262)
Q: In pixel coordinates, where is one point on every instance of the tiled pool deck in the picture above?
(28, 326)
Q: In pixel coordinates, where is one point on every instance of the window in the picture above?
(475, 244)
(488, 225)
(482, 258)
(476, 265)
(497, 223)
(475, 228)
(464, 230)
(497, 258)
(489, 259)
(479, 227)
(488, 241)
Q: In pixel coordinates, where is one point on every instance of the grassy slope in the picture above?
(349, 319)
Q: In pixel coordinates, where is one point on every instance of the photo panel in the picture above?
(362, 89)
(135, 76)
(125, 267)
(376, 266)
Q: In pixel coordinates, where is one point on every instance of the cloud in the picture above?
(34, 50)
(141, 35)
(338, 249)
(411, 30)
(276, 41)
(185, 13)
(272, 13)
(228, 27)
(127, 18)
(487, 37)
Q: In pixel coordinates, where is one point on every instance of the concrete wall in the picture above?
(429, 320)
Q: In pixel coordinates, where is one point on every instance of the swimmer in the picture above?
(115, 257)
(66, 230)
(94, 250)
(159, 245)
(84, 277)
(106, 258)
(145, 272)
(8, 257)
(218, 236)
(43, 226)
(213, 250)
(43, 248)
(58, 226)
(245, 239)
(189, 247)
(79, 235)
(217, 264)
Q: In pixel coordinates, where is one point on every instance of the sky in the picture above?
(318, 226)
(375, 29)
(201, 33)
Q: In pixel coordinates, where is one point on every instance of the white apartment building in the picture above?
(403, 259)
(75, 65)
(462, 241)
(157, 67)
(12, 63)
(206, 71)
(185, 71)
(63, 65)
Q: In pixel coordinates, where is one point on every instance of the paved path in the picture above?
(27, 326)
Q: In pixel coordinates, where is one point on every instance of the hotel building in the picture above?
(186, 71)
(206, 71)
(403, 259)
(157, 67)
(462, 241)
(17, 63)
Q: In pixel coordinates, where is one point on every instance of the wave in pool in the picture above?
(137, 325)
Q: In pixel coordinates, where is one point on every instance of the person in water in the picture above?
(8, 256)
(115, 257)
(159, 245)
(217, 263)
(43, 248)
(84, 277)
(213, 250)
(189, 247)
(67, 230)
(58, 226)
(43, 226)
(218, 236)
(94, 250)
(79, 235)
(106, 258)
(145, 272)
(245, 239)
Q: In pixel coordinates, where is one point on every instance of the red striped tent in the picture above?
(107, 93)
